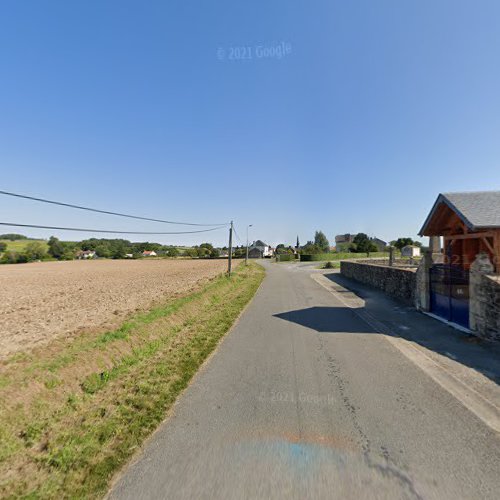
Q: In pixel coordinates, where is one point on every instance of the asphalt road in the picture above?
(304, 399)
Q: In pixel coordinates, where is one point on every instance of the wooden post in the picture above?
(230, 258)
(496, 256)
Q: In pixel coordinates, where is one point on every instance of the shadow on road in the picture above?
(402, 321)
(327, 320)
(406, 322)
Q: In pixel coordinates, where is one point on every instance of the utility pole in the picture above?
(230, 258)
(246, 258)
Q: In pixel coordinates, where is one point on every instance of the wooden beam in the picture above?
(439, 219)
(496, 255)
(488, 244)
(470, 236)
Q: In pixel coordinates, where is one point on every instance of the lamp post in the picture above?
(246, 257)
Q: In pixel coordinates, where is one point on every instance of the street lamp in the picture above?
(246, 258)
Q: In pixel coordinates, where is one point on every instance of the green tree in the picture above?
(57, 248)
(310, 248)
(281, 249)
(208, 246)
(362, 244)
(321, 241)
(12, 258)
(35, 250)
(173, 252)
(402, 242)
(239, 252)
(70, 249)
(3, 246)
(207, 250)
(343, 247)
(118, 250)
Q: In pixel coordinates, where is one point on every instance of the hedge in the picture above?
(338, 256)
(285, 257)
(317, 256)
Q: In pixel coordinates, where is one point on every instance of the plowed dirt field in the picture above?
(45, 300)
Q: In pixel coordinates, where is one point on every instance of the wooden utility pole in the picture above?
(230, 258)
(246, 255)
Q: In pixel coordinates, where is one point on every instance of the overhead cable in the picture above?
(35, 226)
(107, 212)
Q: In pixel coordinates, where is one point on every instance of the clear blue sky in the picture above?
(126, 106)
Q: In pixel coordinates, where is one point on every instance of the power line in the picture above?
(108, 231)
(236, 234)
(107, 212)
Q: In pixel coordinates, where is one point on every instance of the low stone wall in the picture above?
(485, 306)
(398, 282)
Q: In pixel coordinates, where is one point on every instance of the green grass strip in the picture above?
(73, 450)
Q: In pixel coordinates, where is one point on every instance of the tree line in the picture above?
(320, 244)
(361, 243)
(56, 249)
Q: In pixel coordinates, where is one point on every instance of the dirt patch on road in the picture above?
(42, 301)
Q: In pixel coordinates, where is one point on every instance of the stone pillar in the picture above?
(478, 293)
(422, 295)
(391, 256)
(435, 251)
(435, 244)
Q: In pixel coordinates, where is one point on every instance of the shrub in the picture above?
(315, 257)
(56, 248)
(13, 258)
(35, 250)
(173, 252)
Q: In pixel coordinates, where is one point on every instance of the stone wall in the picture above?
(412, 286)
(484, 299)
(398, 282)
(383, 261)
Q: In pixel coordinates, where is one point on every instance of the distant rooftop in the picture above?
(259, 243)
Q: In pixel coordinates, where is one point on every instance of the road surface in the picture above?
(306, 399)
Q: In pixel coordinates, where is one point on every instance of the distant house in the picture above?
(86, 254)
(149, 253)
(343, 241)
(380, 244)
(254, 253)
(410, 251)
(258, 250)
(344, 238)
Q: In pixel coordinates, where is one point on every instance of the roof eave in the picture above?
(443, 199)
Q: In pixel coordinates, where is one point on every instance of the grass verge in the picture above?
(73, 412)
(329, 265)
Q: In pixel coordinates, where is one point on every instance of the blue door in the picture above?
(450, 293)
